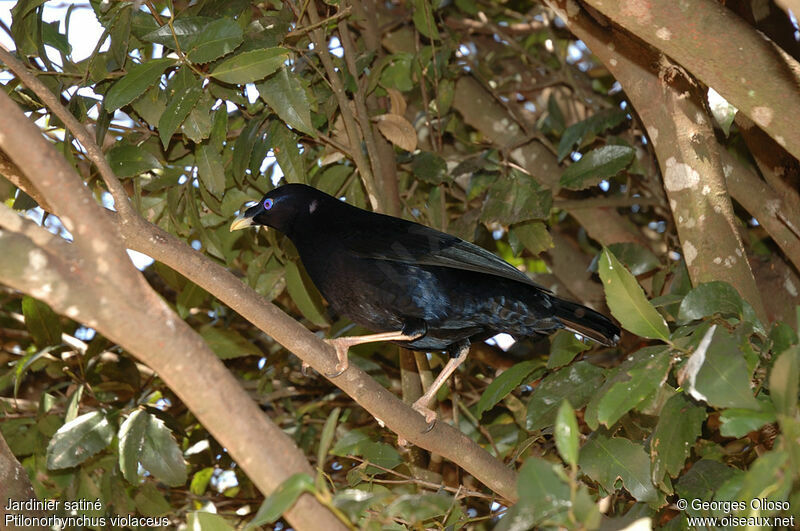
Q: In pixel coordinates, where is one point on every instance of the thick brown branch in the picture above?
(707, 39)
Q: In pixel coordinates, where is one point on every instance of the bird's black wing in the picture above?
(398, 240)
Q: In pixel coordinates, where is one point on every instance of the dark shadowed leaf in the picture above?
(596, 165)
(605, 459)
(585, 131)
(281, 499)
(251, 66)
(284, 145)
(287, 96)
(636, 258)
(704, 479)
(429, 167)
(210, 170)
(423, 19)
(217, 38)
(509, 380)
(128, 161)
(577, 383)
(533, 235)
(627, 301)
(133, 84)
(679, 425)
(516, 198)
(304, 295)
(185, 30)
(42, 322)
(79, 440)
(183, 92)
(227, 343)
(711, 298)
(783, 381)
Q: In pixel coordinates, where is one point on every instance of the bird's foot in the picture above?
(429, 414)
(305, 370)
(341, 345)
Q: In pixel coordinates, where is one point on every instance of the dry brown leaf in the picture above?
(398, 103)
(398, 131)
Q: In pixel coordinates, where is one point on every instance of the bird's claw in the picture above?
(340, 368)
(429, 414)
(305, 370)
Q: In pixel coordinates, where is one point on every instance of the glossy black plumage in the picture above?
(389, 274)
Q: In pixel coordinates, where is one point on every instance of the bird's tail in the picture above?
(586, 322)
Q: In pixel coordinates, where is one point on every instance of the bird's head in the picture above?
(283, 208)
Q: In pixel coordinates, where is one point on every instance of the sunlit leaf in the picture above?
(250, 66)
(133, 84)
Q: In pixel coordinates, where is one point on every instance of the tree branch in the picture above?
(707, 39)
(95, 283)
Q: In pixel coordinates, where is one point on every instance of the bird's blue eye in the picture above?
(267, 204)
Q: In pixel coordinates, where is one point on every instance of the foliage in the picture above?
(208, 106)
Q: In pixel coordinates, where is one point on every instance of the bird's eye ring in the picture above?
(268, 203)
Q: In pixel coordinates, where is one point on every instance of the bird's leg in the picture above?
(409, 332)
(422, 405)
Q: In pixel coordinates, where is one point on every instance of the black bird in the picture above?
(420, 288)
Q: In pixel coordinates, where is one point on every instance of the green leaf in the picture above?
(516, 198)
(131, 437)
(738, 422)
(627, 301)
(564, 346)
(509, 380)
(77, 441)
(578, 383)
(703, 480)
(183, 93)
(227, 343)
(422, 16)
(596, 165)
(161, 455)
(606, 459)
(206, 521)
(679, 425)
(635, 257)
(218, 38)
(281, 499)
(711, 298)
(284, 145)
(185, 30)
(783, 381)
(133, 84)
(718, 374)
(397, 73)
(644, 378)
(42, 322)
(150, 502)
(286, 95)
(544, 498)
(304, 295)
(200, 481)
(243, 146)
(129, 161)
(250, 66)
(210, 170)
(583, 132)
(566, 433)
(533, 235)
(429, 167)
